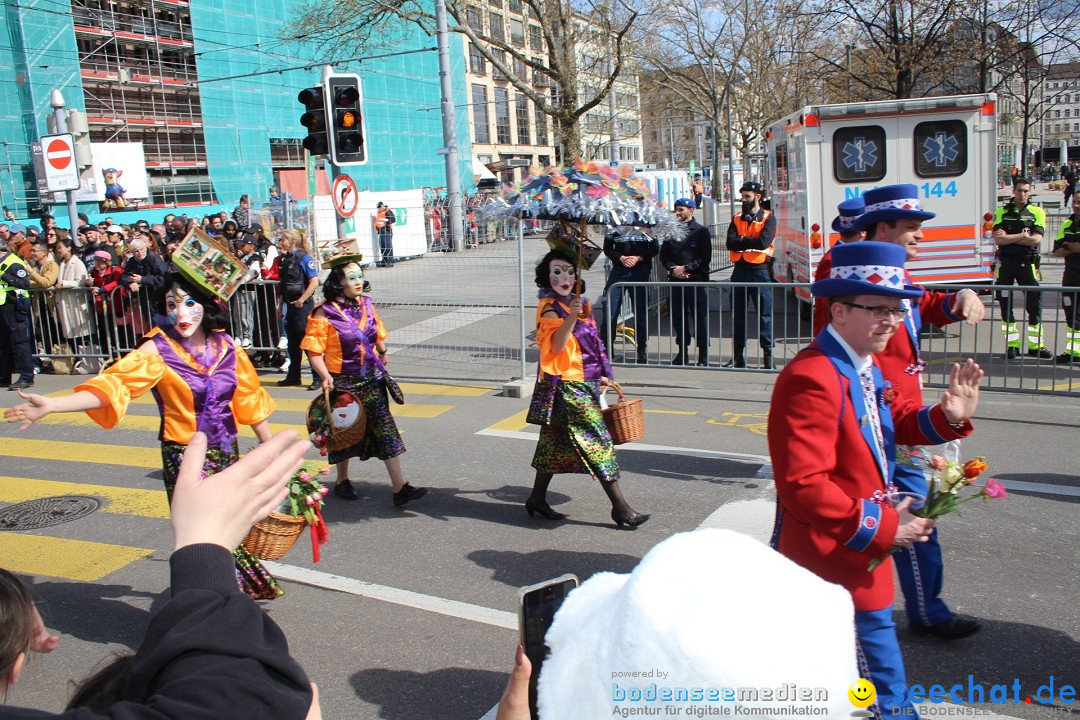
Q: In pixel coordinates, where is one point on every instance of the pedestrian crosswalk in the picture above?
(67, 456)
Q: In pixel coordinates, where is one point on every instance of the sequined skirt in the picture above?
(251, 576)
(576, 439)
(382, 439)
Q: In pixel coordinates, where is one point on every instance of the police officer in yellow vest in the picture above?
(1018, 232)
(1067, 245)
(16, 352)
(750, 240)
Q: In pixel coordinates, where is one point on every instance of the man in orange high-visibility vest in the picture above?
(750, 240)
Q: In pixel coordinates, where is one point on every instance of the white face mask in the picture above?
(353, 281)
(562, 276)
(184, 312)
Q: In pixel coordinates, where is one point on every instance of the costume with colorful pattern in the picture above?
(575, 440)
(192, 397)
(345, 333)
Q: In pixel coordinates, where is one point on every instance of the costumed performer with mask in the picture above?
(202, 381)
(573, 437)
(346, 345)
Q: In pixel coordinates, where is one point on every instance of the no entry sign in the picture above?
(61, 172)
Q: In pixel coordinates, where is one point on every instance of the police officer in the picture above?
(750, 240)
(631, 252)
(1018, 232)
(1067, 245)
(687, 260)
(16, 353)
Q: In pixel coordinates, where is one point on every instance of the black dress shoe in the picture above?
(1065, 358)
(532, 506)
(315, 385)
(21, 384)
(345, 490)
(1012, 353)
(407, 494)
(288, 382)
(952, 629)
(1041, 353)
(631, 521)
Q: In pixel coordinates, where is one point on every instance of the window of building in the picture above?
(517, 32)
(859, 154)
(522, 119)
(1057, 114)
(481, 129)
(474, 19)
(502, 116)
(1066, 112)
(514, 6)
(499, 55)
(477, 64)
(541, 129)
(519, 68)
(940, 148)
(1076, 127)
(497, 32)
(535, 41)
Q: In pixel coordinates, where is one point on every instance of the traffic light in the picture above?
(314, 120)
(346, 120)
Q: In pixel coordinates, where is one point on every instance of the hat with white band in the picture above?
(867, 268)
(891, 202)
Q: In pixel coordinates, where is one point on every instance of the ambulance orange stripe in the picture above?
(951, 232)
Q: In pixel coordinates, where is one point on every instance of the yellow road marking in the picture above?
(81, 452)
(1067, 385)
(453, 390)
(151, 422)
(121, 501)
(514, 422)
(70, 559)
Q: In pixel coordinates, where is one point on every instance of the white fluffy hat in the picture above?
(705, 609)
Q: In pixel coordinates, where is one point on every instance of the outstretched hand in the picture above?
(36, 407)
(969, 306)
(221, 508)
(960, 400)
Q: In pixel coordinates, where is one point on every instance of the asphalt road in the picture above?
(410, 614)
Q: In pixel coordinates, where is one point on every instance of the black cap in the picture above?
(751, 186)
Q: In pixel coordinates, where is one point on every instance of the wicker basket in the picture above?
(271, 537)
(318, 416)
(625, 419)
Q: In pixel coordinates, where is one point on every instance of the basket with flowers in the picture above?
(950, 484)
(273, 536)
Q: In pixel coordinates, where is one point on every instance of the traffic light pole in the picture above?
(56, 99)
(327, 72)
(449, 124)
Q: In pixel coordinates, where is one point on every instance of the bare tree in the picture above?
(553, 82)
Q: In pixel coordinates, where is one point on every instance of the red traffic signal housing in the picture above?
(314, 119)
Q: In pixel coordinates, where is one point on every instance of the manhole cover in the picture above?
(46, 512)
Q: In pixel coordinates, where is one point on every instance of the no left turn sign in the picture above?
(345, 195)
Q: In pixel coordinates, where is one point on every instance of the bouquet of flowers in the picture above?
(306, 499)
(949, 485)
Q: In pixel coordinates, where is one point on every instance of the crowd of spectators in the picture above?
(92, 290)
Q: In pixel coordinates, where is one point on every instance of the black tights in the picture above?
(611, 489)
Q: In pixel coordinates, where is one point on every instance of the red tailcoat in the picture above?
(827, 469)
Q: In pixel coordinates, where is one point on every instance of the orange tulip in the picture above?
(974, 468)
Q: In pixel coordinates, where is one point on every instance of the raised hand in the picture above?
(960, 400)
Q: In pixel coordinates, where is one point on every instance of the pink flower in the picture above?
(994, 489)
(938, 463)
(325, 471)
(305, 476)
(308, 501)
(324, 489)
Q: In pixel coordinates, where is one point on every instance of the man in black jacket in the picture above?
(631, 252)
(687, 260)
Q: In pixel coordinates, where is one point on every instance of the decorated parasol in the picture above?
(583, 199)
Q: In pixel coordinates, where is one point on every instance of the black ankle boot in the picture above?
(766, 358)
(679, 359)
(703, 357)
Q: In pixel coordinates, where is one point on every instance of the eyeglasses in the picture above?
(882, 312)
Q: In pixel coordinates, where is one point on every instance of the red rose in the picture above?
(974, 468)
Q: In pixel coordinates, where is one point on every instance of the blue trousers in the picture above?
(921, 569)
(880, 661)
(749, 273)
(639, 299)
(690, 315)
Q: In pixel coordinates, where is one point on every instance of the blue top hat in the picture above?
(891, 202)
(867, 268)
(849, 211)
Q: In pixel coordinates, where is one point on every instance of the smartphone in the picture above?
(536, 610)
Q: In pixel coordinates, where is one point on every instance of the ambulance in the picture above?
(825, 154)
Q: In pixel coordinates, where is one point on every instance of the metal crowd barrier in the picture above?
(792, 330)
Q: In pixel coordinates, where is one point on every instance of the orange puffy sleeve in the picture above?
(381, 332)
(567, 363)
(251, 403)
(128, 378)
(316, 334)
